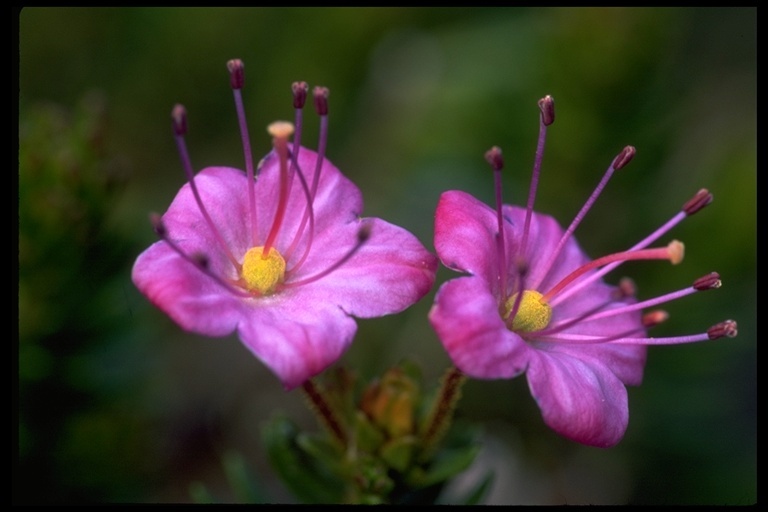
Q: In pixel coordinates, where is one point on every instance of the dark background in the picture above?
(116, 403)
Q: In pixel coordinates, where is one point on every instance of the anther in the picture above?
(320, 95)
(201, 260)
(521, 265)
(547, 107)
(299, 94)
(697, 202)
(654, 318)
(364, 233)
(723, 329)
(708, 282)
(157, 225)
(236, 73)
(493, 157)
(179, 118)
(626, 289)
(623, 158)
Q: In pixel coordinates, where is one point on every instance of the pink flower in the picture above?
(578, 340)
(280, 254)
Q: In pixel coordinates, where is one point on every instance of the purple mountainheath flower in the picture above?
(534, 303)
(279, 254)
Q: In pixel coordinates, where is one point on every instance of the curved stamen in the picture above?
(237, 80)
(621, 160)
(547, 117)
(299, 90)
(320, 95)
(519, 288)
(200, 261)
(310, 236)
(300, 94)
(728, 329)
(672, 252)
(701, 199)
(363, 235)
(179, 117)
(493, 157)
(707, 282)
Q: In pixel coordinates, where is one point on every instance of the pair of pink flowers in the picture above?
(281, 255)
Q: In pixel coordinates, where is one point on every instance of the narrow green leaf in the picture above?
(477, 495)
(240, 480)
(447, 464)
(308, 479)
(200, 493)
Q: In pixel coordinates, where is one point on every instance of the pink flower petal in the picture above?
(193, 300)
(464, 235)
(578, 399)
(391, 271)
(294, 341)
(466, 318)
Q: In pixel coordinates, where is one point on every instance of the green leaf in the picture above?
(398, 453)
(243, 486)
(306, 477)
(367, 436)
(477, 495)
(200, 493)
(320, 447)
(447, 463)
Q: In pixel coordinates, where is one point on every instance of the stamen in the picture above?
(621, 160)
(320, 95)
(179, 118)
(280, 131)
(510, 310)
(547, 107)
(707, 282)
(696, 203)
(237, 81)
(363, 234)
(493, 157)
(727, 329)
(299, 90)
(673, 252)
(199, 260)
(299, 98)
(311, 217)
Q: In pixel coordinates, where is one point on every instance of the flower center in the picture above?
(533, 314)
(263, 272)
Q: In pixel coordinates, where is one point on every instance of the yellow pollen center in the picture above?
(533, 314)
(263, 273)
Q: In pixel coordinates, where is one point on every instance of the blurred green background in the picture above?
(117, 404)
